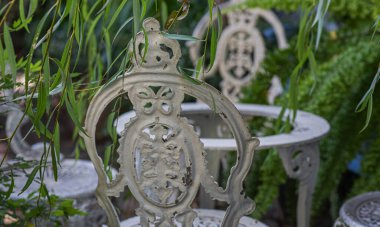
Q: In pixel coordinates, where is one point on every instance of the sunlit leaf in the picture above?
(121, 28)
(180, 37)
(199, 66)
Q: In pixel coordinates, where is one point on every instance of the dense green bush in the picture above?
(348, 59)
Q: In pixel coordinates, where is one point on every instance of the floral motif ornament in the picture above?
(161, 158)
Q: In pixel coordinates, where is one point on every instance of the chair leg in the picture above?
(302, 163)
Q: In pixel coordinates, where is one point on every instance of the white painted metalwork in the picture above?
(205, 218)
(76, 178)
(241, 48)
(161, 157)
(361, 211)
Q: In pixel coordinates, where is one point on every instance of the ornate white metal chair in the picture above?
(361, 211)
(77, 179)
(241, 48)
(161, 158)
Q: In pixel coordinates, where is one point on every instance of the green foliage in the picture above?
(347, 60)
(44, 207)
(352, 9)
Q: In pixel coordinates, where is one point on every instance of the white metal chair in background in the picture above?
(161, 158)
(77, 179)
(241, 48)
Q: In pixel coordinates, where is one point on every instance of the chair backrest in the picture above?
(161, 158)
(241, 48)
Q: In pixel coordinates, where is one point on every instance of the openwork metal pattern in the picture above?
(161, 157)
(241, 48)
(362, 210)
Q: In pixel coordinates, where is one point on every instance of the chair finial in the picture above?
(162, 54)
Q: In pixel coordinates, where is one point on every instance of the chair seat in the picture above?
(206, 218)
(361, 211)
(76, 179)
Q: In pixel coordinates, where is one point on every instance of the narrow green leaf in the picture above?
(107, 155)
(57, 141)
(180, 37)
(146, 46)
(33, 47)
(313, 69)
(54, 161)
(189, 78)
(22, 15)
(214, 43)
(116, 14)
(2, 10)
(199, 66)
(73, 115)
(103, 7)
(121, 28)
(55, 27)
(11, 187)
(322, 8)
(364, 101)
(41, 101)
(210, 7)
(136, 15)
(46, 75)
(2, 60)
(220, 21)
(369, 113)
(10, 51)
(164, 12)
(33, 4)
(92, 27)
(108, 47)
(144, 7)
(30, 179)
